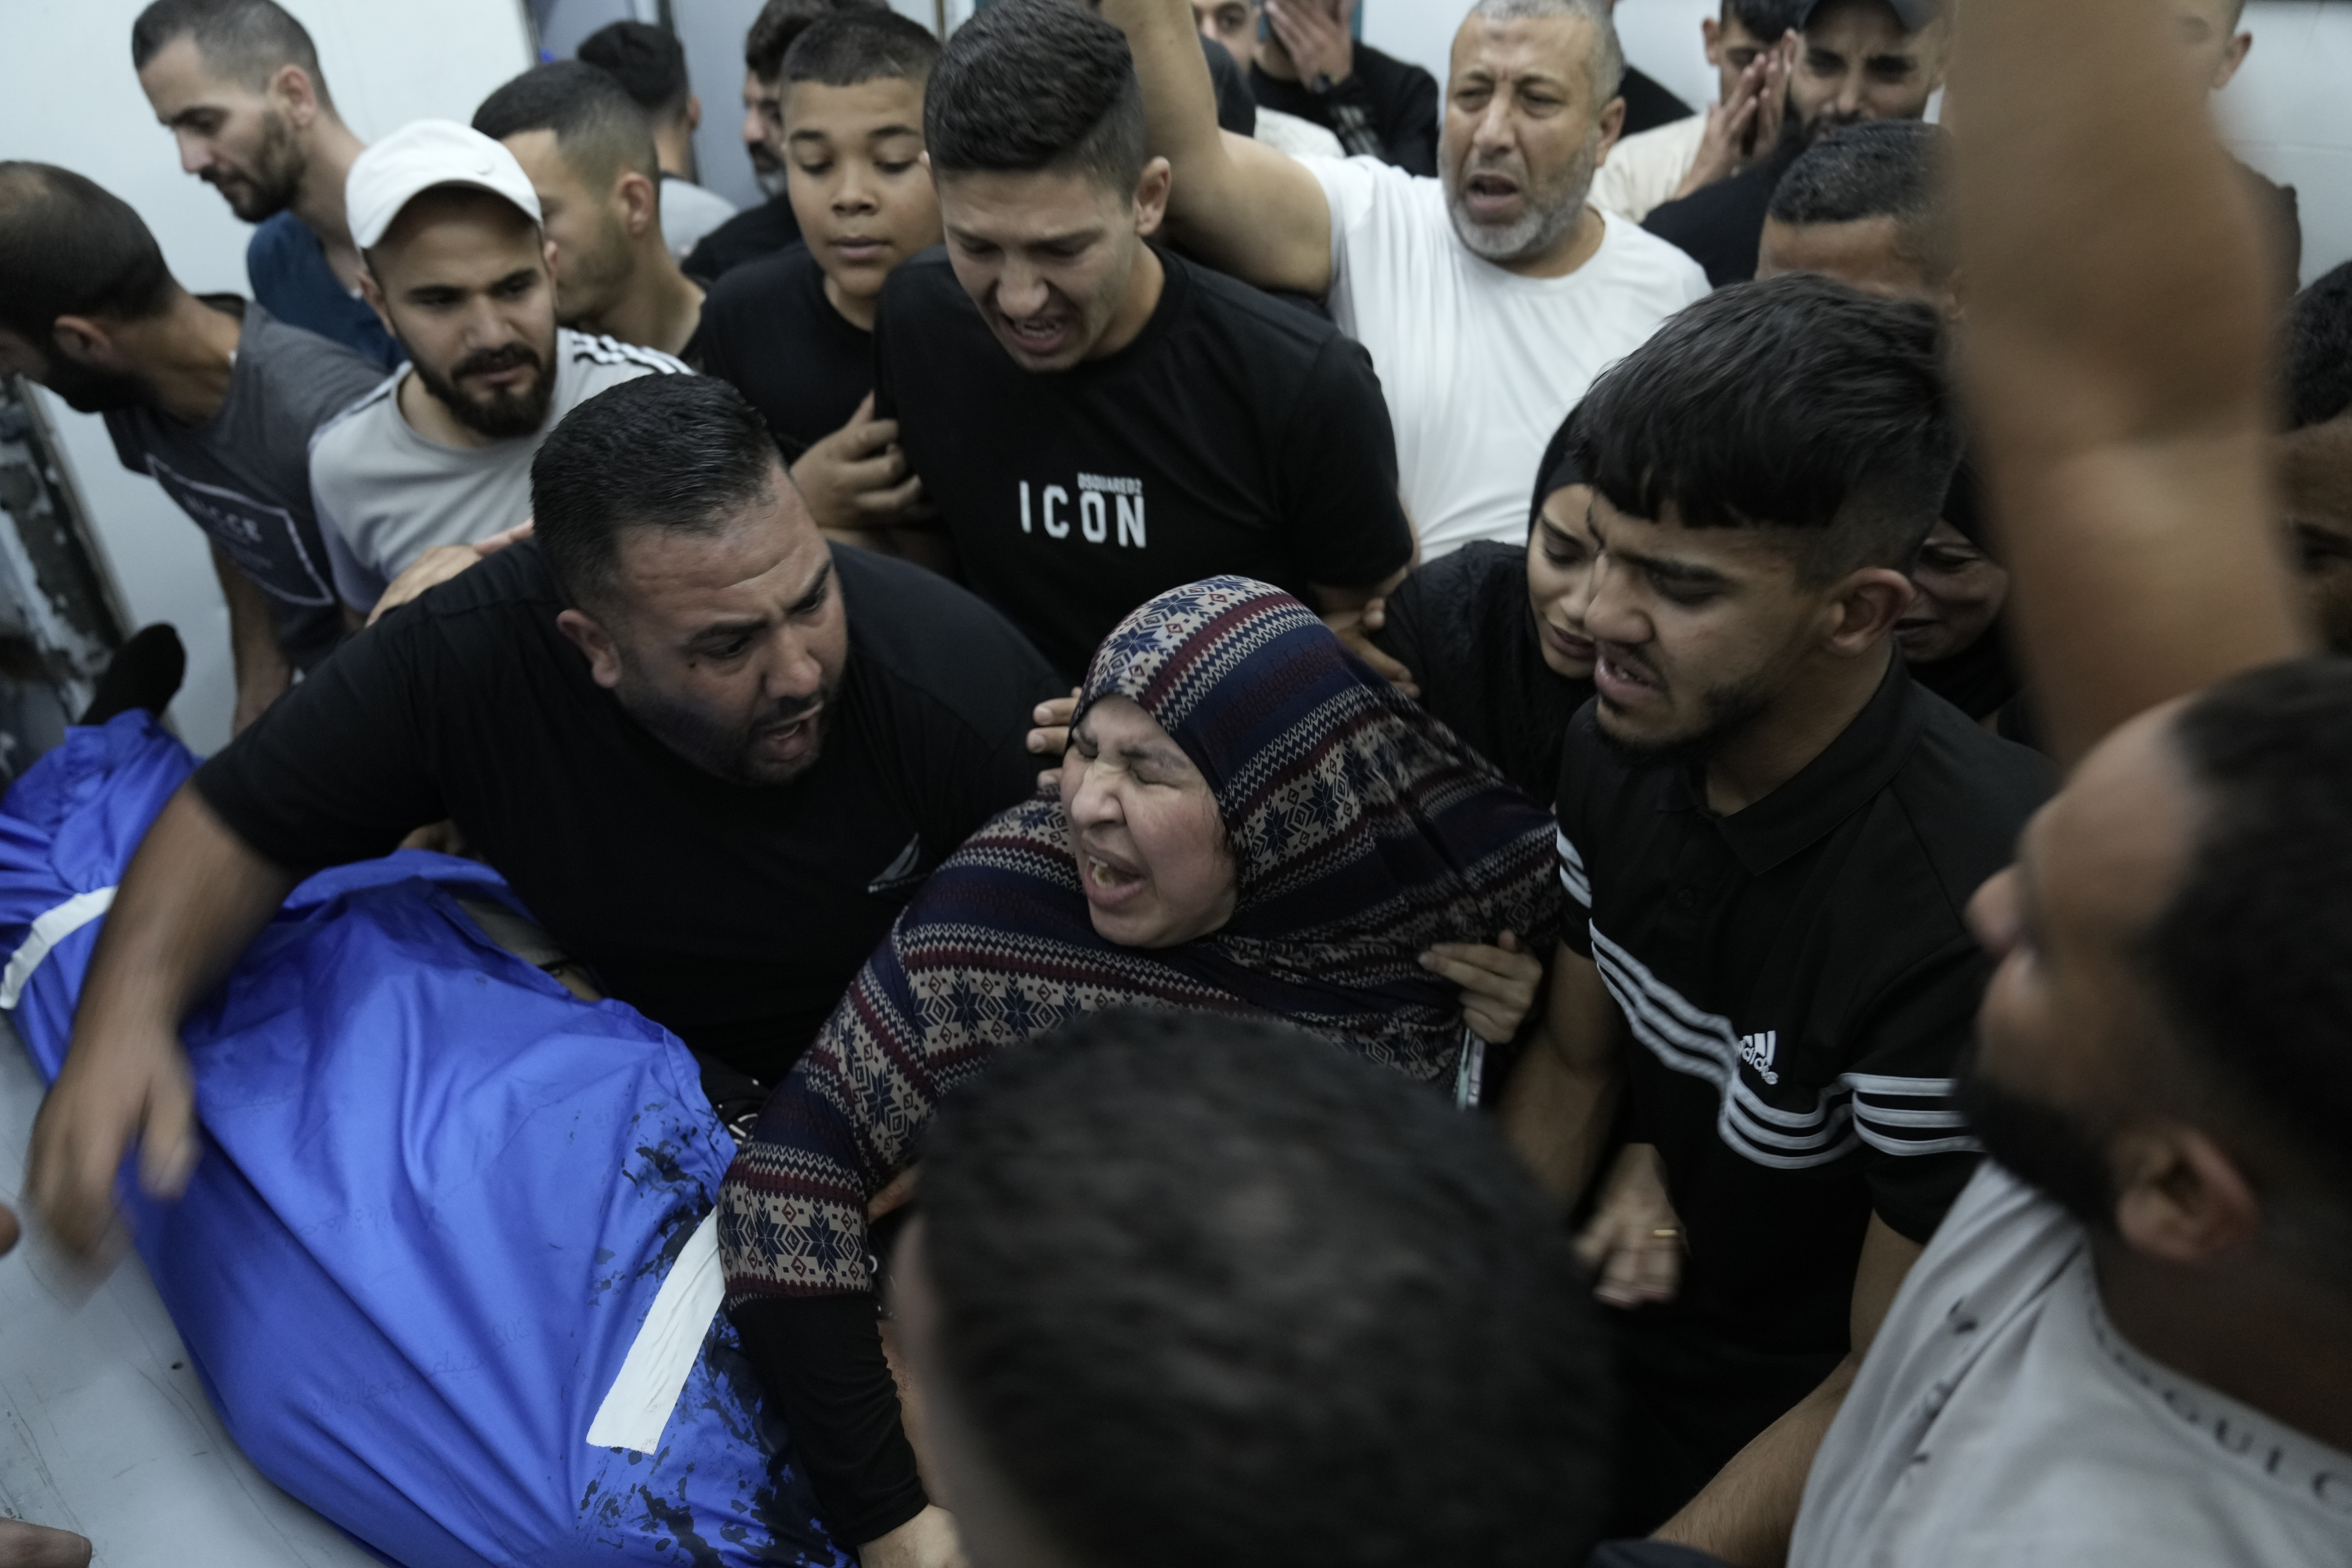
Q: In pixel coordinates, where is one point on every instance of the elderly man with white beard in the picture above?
(1490, 296)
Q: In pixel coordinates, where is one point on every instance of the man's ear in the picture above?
(1610, 127)
(291, 88)
(373, 292)
(85, 341)
(589, 635)
(2232, 59)
(1151, 195)
(640, 201)
(693, 113)
(2179, 1197)
(1711, 31)
(1865, 606)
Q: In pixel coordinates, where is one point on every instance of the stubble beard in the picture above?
(1551, 217)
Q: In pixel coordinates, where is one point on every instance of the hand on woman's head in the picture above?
(1151, 850)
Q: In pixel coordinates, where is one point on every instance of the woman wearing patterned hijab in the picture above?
(1249, 822)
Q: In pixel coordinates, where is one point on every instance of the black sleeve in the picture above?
(1344, 522)
(1410, 124)
(1916, 1153)
(820, 1358)
(342, 767)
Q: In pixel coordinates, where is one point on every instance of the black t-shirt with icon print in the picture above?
(736, 916)
(1235, 434)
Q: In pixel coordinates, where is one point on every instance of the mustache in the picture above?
(789, 713)
(487, 362)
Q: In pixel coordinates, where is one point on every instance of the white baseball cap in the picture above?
(418, 156)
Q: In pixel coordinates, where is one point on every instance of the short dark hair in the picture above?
(860, 46)
(2318, 351)
(675, 452)
(1214, 1291)
(1794, 403)
(1031, 85)
(2248, 955)
(1767, 20)
(69, 246)
(599, 129)
(780, 23)
(1876, 168)
(648, 61)
(248, 41)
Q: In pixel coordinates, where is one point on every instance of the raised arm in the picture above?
(2119, 314)
(192, 900)
(1236, 203)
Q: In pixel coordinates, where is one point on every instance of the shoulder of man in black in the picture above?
(1648, 104)
(1721, 226)
(922, 634)
(750, 233)
(1969, 795)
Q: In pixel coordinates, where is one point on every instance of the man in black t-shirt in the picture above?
(711, 754)
(1379, 106)
(795, 330)
(1860, 59)
(1097, 421)
(1769, 835)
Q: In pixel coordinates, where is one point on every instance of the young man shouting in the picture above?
(1769, 835)
(1098, 420)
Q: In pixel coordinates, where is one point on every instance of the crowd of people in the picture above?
(1762, 671)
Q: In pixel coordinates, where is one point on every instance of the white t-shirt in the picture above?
(1480, 366)
(2000, 1421)
(384, 493)
(1647, 168)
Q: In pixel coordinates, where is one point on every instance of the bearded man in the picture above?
(1490, 296)
(237, 84)
(459, 269)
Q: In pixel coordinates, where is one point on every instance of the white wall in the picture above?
(2289, 112)
(69, 98)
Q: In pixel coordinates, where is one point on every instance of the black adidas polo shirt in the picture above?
(1800, 982)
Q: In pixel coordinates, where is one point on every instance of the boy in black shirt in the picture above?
(1097, 421)
(794, 331)
(1769, 835)
(712, 755)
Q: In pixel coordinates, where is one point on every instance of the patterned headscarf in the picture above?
(1362, 831)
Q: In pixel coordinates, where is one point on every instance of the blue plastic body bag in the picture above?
(438, 1199)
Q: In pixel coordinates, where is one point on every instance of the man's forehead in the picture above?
(179, 78)
(1867, 26)
(1667, 539)
(2110, 849)
(768, 552)
(1006, 207)
(1557, 48)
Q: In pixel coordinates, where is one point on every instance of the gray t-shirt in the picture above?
(385, 494)
(2000, 1421)
(244, 475)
